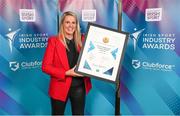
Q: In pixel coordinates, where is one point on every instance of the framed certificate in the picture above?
(102, 53)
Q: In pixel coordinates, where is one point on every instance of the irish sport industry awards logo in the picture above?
(135, 36)
(11, 37)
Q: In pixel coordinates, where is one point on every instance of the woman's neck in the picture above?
(69, 37)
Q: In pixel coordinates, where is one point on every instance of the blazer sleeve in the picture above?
(47, 63)
(82, 37)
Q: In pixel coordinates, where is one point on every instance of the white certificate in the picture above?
(102, 53)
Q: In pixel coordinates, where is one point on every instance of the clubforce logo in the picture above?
(136, 64)
(152, 65)
(14, 65)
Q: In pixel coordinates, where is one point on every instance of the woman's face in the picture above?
(69, 25)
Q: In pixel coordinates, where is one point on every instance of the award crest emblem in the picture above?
(105, 39)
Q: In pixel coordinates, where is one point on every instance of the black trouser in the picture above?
(77, 99)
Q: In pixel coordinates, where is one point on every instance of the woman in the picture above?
(59, 62)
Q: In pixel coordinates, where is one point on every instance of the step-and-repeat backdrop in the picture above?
(25, 26)
(101, 99)
(151, 68)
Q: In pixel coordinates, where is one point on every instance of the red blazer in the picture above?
(55, 63)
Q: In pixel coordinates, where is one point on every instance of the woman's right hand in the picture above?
(71, 72)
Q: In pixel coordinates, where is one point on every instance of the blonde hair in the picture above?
(77, 33)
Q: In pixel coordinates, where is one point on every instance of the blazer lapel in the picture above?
(79, 49)
(61, 50)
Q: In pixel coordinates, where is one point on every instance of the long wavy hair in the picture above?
(77, 33)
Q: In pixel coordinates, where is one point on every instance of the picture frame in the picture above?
(102, 53)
